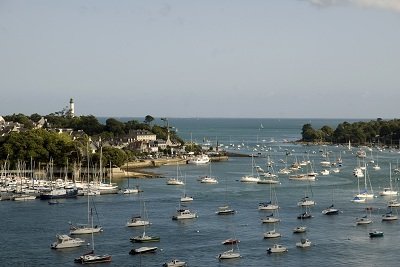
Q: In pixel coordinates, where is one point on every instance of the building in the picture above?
(143, 135)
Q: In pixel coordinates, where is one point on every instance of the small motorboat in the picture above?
(276, 248)
(304, 243)
(65, 241)
(182, 214)
(143, 250)
(174, 263)
(91, 258)
(299, 229)
(230, 241)
(375, 233)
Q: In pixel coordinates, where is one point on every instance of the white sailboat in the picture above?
(225, 209)
(176, 180)
(272, 204)
(209, 179)
(128, 189)
(251, 178)
(232, 253)
(91, 257)
(388, 191)
(80, 229)
(185, 197)
(138, 220)
(364, 193)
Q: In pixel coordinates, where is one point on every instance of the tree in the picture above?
(148, 119)
(114, 126)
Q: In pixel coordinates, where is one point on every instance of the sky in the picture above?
(208, 58)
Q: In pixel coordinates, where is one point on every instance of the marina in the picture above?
(197, 241)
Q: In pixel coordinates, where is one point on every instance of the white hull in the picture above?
(174, 263)
(85, 230)
(230, 254)
(137, 223)
(268, 207)
(304, 243)
(183, 215)
(277, 249)
(174, 181)
(64, 241)
(186, 199)
(249, 179)
(272, 234)
(209, 180)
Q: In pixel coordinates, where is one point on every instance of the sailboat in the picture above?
(388, 191)
(272, 204)
(232, 253)
(363, 220)
(251, 178)
(364, 193)
(209, 179)
(128, 189)
(306, 214)
(185, 197)
(331, 210)
(226, 209)
(145, 238)
(176, 180)
(137, 220)
(80, 229)
(91, 257)
(389, 216)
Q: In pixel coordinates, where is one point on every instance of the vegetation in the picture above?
(378, 132)
(42, 145)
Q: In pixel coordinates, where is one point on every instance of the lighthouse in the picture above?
(71, 108)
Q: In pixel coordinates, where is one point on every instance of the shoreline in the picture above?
(135, 169)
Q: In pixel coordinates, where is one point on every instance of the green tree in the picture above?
(148, 119)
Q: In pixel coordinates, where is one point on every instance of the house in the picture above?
(142, 135)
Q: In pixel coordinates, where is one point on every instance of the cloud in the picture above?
(393, 5)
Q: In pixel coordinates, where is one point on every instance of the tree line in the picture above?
(42, 145)
(375, 132)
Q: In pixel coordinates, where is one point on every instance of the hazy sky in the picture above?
(217, 58)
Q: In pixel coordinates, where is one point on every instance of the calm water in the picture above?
(28, 228)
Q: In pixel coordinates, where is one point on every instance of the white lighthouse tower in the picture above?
(71, 108)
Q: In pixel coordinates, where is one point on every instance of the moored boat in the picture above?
(304, 243)
(225, 210)
(229, 254)
(182, 214)
(174, 263)
(230, 241)
(331, 210)
(376, 233)
(299, 229)
(65, 241)
(143, 250)
(276, 248)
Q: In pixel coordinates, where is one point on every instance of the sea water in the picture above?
(28, 228)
